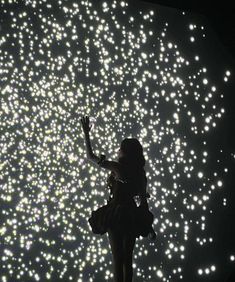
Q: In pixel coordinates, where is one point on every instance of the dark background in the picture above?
(220, 14)
(220, 17)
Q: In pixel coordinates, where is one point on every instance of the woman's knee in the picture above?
(128, 248)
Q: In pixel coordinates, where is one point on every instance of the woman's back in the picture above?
(127, 182)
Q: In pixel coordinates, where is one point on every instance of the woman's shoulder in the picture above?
(130, 175)
(119, 172)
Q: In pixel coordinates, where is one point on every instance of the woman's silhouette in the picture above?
(121, 217)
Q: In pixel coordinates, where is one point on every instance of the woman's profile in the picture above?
(120, 217)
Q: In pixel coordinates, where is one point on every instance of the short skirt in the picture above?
(122, 218)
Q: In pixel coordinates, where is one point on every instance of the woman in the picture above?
(121, 218)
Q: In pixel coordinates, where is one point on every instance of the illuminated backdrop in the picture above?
(139, 71)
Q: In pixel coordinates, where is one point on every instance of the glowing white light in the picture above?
(191, 26)
(200, 174)
(91, 61)
(213, 268)
(200, 271)
(159, 273)
(205, 81)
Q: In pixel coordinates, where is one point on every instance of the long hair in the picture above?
(132, 154)
(133, 161)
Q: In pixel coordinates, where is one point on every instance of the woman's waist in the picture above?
(122, 200)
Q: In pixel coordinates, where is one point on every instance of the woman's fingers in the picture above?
(84, 119)
(85, 123)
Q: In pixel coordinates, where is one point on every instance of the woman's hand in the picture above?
(85, 124)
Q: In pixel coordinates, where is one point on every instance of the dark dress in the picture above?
(121, 213)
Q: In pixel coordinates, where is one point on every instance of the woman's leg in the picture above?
(128, 247)
(116, 243)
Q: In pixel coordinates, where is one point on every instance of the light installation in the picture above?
(137, 75)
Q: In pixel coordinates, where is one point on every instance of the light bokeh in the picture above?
(123, 66)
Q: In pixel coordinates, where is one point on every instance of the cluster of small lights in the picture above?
(207, 270)
(88, 58)
(227, 75)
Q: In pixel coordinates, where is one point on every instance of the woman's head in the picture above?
(131, 152)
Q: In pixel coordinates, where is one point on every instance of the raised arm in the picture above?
(110, 165)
